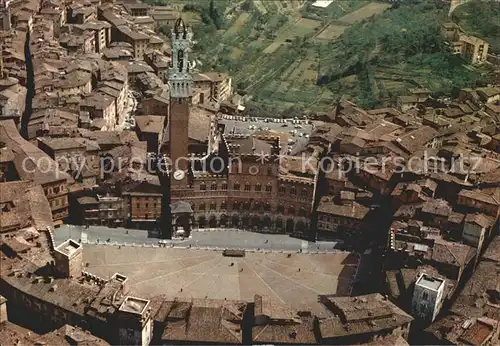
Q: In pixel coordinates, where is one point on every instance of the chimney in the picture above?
(347, 198)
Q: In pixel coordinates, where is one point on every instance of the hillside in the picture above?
(290, 55)
(482, 19)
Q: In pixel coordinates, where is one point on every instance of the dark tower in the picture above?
(180, 82)
(173, 172)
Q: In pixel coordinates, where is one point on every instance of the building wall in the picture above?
(426, 303)
(178, 127)
(77, 90)
(139, 48)
(486, 208)
(122, 99)
(343, 225)
(477, 53)
(145, 207)
(3, 312)
(43, 315)
(57, 195)
(153, 106)
(69, 266)
(147, 332)
(473, 234)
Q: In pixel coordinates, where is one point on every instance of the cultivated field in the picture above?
(238, 24)
(331, 32)
(300, 28)
(272, 49)
(364, 12)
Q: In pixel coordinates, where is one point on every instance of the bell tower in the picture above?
(180, 82)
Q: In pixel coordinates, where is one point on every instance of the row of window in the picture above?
(151, 216)
(336, 220)
(256, 207)
(149, 198)
(257, 188)
(55, 190)
(58, 202)
(237, 187)
(146, 205)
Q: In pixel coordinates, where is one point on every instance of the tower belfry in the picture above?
(180, 81)
(179, 75)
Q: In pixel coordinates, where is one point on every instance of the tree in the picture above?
(247, 5)
(215, 15)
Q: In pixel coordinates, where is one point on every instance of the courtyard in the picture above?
(295, 279)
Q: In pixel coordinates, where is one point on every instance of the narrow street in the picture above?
(128, 120)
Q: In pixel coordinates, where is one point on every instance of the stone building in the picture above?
(362, 319)
(230, 180)
(68, 259)
(32, 164)
(428, 297)
(342, 218)
(470, 47)
(135, 326)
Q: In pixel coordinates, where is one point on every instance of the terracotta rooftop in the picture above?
(63, 143)
(492, 253)
(351, 210)
(301, 332)
(31, 163)
(482, 220)
(12, 334)
(479, 297)
(360, 315)
(452, 253)
(202, 321)
(479, 195)
(150, 123)
(27, 206)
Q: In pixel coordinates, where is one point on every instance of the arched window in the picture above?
(281, 209)
(202, 206)
(213, 206)
(267, 207)
(302, 211)
(269, 188)
(223, 206)
(180, 60)
(213, 187)
(246, 206)
(304, 192)
(293, 190)
(291, 210)
(247, 186)
(282, 189)
(236, 186)
(236, 206)
(258, 187)
(256, 206)
(224, 186)
(203, 187)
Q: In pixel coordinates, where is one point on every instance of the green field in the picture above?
(289, 54)
(273, 49)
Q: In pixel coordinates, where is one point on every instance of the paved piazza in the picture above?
(296, 280)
